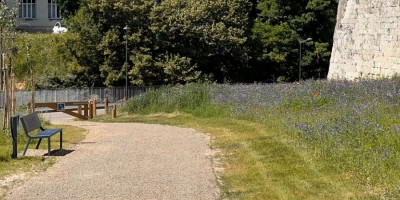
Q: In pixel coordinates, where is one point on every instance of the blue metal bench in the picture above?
(31, 123)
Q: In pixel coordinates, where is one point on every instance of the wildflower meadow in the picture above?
(353, 125)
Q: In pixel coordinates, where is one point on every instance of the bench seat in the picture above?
(47, 133)
(30, 123)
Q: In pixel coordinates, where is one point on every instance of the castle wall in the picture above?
(367, 40)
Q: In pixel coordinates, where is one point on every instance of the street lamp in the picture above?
(301, 42)
(126, 29)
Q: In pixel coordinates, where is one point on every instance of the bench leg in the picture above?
(37, 146)
(27, 145)
(60, 140)
(48, 146)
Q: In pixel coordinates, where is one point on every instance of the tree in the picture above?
(279, 27)
(45, 55)
(69, 7)
(172, 41)
(180, 41)
(84, 47)
(99, 46)
(7, 52)
(210, 33)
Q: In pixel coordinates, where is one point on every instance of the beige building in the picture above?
(36, 15)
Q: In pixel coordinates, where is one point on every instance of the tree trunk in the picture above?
(33, 91)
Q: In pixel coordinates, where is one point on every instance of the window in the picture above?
(27, 9)
(54, 11)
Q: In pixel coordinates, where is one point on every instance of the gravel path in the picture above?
(128, 161)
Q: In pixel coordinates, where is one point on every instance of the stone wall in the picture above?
(367, 40)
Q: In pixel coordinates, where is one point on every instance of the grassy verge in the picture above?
(261, 161)
(352, 127)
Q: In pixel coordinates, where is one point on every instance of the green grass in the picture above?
(261, 161)
(345, 132)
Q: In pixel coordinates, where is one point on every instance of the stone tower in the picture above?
(367, 40)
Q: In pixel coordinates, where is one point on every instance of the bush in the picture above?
(191, 98)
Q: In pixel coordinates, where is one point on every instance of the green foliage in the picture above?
(185, 41)
(69, 7)
(84, 48)
(191, 98)
(173, 41)
(45, 55)
(210, 33)
(282, 24)
(8, 18)
(178, 70)
(100, 47)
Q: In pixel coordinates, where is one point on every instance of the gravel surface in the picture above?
(127, 161)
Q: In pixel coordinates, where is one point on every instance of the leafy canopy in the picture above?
(172, 41)
(280, 26)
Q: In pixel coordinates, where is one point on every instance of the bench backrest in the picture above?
(30, 122)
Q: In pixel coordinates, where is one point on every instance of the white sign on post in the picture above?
(60, 106)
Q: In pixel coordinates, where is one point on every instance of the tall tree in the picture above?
(100, 45)
(69, 7)
(282, 24)
(170, 41)
(211, 33)
(84, 47)
(43, 55)
(7, 52)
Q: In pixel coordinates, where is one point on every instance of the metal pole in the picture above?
(300, 63)
(14, 133)
(126, 29)
(302, 41)
(126, 65)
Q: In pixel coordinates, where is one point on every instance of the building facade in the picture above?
(36, 15)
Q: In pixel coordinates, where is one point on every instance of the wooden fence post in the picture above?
(114, 111)
(106, 105)
(94, 104)
(80, 109)
(28, 107)
(90, 110)
(86, 110)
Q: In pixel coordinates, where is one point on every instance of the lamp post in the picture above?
(301, 42)
(126, 29)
